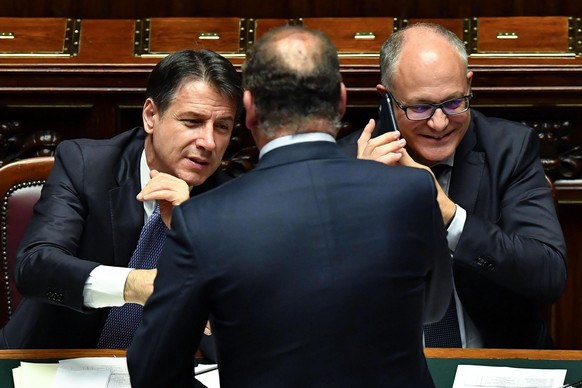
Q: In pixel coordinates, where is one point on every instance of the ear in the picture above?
(469, 77)
(251, 112)
(381, 89)
(343, 99)
(149, 115)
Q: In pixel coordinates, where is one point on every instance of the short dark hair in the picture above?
(287, 96)
(189, 65)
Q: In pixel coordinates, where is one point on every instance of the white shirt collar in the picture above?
(293, 139)
(144, 177)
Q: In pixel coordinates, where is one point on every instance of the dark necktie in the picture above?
(122, 321)
(444, 333)
(440, 172)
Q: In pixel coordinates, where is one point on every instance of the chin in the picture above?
(196, 182)
(442, 153)
(192, 179)
(434, 158)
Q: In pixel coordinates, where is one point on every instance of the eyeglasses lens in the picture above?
(424, 111)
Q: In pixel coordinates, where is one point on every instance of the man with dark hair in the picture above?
(313, 287)
(74, 262)
(507, 247)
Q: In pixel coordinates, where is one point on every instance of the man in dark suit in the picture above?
(506, 242)
(331, 266)
(72, 265)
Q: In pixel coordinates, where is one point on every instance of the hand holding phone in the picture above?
(386, 119)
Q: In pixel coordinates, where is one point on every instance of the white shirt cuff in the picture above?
(104, 286)
(456, 228)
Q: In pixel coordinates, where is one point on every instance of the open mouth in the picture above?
(199, 161)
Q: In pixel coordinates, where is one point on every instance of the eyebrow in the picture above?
(424, 102)
(196, 115)
(225, 118)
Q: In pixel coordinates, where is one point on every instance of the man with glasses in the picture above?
(506, 244)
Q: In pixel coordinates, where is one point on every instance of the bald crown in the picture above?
(297, 51)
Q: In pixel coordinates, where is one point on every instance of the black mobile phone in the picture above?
(386, 120)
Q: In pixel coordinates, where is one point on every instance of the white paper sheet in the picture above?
(116, 365)
(476, 376)
(208, 375)
(89, 372)
(34, 375)
(68, 378)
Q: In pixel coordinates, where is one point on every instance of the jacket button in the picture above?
(54, 296)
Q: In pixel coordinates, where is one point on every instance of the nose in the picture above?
(439, 120)
(205, 138)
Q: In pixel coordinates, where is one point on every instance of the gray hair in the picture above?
(392, 48)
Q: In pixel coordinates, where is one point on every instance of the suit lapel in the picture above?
(126, 220)
(467, 172)
(127, 215)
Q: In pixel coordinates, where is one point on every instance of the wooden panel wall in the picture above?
(103, 9)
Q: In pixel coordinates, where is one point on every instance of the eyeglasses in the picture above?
(418, 112)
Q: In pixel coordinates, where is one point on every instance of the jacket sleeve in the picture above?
(47, 268)
(173, 318)
(518, 243)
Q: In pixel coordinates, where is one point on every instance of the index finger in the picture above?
(367, 132)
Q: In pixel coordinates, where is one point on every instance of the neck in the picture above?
(262, 136)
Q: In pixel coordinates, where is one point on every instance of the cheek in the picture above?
(167, 135)
(461, 120)
(221, 142)
(407, 129)
(182, 140)
(462, 125)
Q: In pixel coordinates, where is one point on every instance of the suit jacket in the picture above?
(317, 270)
(511, 257)
(87, 215)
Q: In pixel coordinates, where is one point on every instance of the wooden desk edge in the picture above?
(23, 354)
(532, 354)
